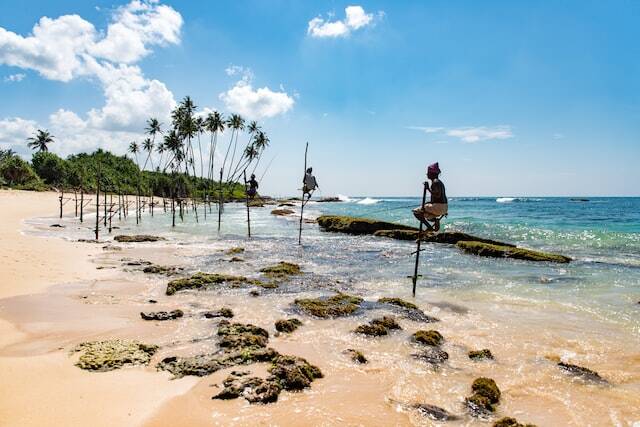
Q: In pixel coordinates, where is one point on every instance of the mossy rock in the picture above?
(236, 259)
(201, 280)
(484, 354)
(282, 270)
(431, 337)
(293, 373)
(102, 356)
(434, 412)
(282, 212)
(205, 364)
(486, 387)
(356, 356)
(398, 302)
(510, 422)
(432, 355)
(235, 250)
(137, 238)
(387, 322)
(371, 330)
(161, 269)
(253, 389)
(497, 251)
(241, 335)
(479, 405)
(223, 312)
(335, 306)
(581, 372)
(161, 315)
(352, 225)
(287, 325)
(446, 237)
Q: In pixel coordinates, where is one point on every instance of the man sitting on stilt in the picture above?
(438, 206)
(309, 184)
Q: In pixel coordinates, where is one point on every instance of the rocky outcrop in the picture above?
(102, 356)
(510, 422)
(356, 356)
(351, 225)
(408, 310)
(282, 212)
(582, 373)
(434, 412)
(202, 280)
(335, 306)
(329, 200)
(137, 238)
(161, 315)
(282, 270)
(484, 354)
(432, 355)
(287, 325)
(501, 251)
(432, 338)
(161, 269)
(223, 312)
(485, 395)
(447, 237)
(378, 327)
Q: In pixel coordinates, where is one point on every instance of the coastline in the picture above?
(55, 297)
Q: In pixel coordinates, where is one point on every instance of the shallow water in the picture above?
(585, 312)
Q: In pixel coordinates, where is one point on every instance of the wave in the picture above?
(368, 201)
(516, 199)
(344, 198)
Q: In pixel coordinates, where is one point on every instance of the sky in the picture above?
(511, 98)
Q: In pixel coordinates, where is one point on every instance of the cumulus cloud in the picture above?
(470, 134)
(14, 78)
(14, 131)
(355, 18)
(257, 103)
(70, 47)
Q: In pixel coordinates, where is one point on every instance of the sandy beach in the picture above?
(58, 292)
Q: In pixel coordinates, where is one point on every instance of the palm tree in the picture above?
(147, 145)
(40, 140)
(153, 128)
(133, 148)
(236, 123)
(252, 129)
(199, 127)
(261, 142)
(214, 123)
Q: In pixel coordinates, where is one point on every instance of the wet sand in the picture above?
(54, 296)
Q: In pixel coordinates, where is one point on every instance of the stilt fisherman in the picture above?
(438, 206)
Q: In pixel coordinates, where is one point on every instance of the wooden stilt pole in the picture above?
(247, 202)
(105, 208)
(75, 197)
(419, 241)
(81, 202)
(302, 201)
(220, 202)
(110, 210)
(98, 202)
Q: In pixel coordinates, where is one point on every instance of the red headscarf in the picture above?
(433, 169)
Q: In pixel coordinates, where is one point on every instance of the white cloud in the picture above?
(469, 134)
(14, 78)
(355, 18)
(239, 70)
(69, 47)
(14, 131)
(256, 103)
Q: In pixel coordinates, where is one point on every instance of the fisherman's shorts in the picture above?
(431, 210)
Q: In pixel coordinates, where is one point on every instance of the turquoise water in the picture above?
(602, 235)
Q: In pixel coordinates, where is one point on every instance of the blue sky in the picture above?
(512, 98)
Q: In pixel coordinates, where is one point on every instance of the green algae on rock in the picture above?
(510, 422)
(500, 251)
(161, 315)
(480, 354)
(241, 335)
(282, 270)
(378, 327)
(335, 306)
(102, 356)
(293, 373)
(223, 312)
(235, 250)
(434, 412)
(137, 238)
(581, 372)
(287, 325)
(398, 302)
(351, 225)
(282, 212)
(253, 389)
(447, 237)
(201, 280)
(485, 395)
(432, 355)
(431, 337)
(161, 269)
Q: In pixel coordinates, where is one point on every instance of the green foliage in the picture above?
(51, 168)
(17, 173)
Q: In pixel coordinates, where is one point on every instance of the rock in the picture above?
(446, 237)
(112, 248)
(254, 293)
(431, 337)
(286, 205)
(485, 395)
(282, 270)
(236, 259)
(161, 269)
(152, 301)
(282, 212)
(510, 422)
(135, 263)
(398, 302)
(287, 325)
(201, 280)
(102, 356)
(137, 238)
(235, 250)
(335, 306)
(293, 373)
(256, 204)
(206, 364)
(433, 356)
(351, 225)
(434, 412)
(378, 327)
(497, 251)
(329, 200)
(581, 372)
(356, 356)
(483, 354)
(241, 335)
(479, 405)
(253, 389)
(223, 312)
(161, 315)
(57, 226)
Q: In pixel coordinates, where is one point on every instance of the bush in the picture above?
(52, 169)
(17, 172)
